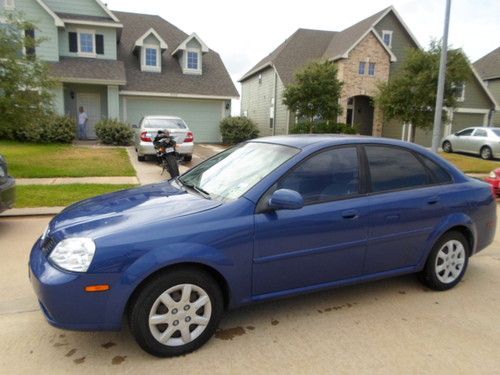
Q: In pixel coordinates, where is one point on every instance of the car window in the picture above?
(161, 123)
(394, 168)
(329, 175)
(496, 132)
(480, 133)
(439, 174)
(465, 132)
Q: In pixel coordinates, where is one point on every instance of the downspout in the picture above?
(275, 100)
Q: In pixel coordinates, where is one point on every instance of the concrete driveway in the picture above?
(390, 326)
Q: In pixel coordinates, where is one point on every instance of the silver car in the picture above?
(482, 141)
(148, 127)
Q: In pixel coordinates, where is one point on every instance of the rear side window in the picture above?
(393, 168)
(480, 133)
(439, 174)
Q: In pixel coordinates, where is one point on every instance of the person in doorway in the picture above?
(82, 123)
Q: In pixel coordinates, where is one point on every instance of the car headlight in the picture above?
(493, 174)
(74, 254)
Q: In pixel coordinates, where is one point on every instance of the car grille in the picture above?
(48, 244)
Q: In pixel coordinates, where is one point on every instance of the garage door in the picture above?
(466, 120)
(202, 116)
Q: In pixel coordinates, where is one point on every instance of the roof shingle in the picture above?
(488, 66)
(88, 69)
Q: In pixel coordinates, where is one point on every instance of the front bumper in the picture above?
(147, 148)
(64, 301)
(495, 184)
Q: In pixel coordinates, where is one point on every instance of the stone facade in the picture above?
(369, 50)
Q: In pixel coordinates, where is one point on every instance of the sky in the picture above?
(244, 32)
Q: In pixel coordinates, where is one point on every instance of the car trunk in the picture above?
(178, 134)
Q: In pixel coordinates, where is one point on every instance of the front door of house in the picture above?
(91, 104)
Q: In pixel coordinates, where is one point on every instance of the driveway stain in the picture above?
(108, 345)
(275, 322)
(71, 352)
(402, 292)
(250, 328)
(229, 333)
(118, 359)
(339, 307)
(79, 360)
(58, 344)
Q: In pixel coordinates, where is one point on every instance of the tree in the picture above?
(315, 93)
(25, 98)
(411, 95)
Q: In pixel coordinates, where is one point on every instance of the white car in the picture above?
(148, 127)
(480, 140)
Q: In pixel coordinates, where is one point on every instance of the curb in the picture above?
(35, 211)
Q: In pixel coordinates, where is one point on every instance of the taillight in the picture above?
(145, 137)
(189, 137)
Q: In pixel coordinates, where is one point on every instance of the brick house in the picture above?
(366, 53)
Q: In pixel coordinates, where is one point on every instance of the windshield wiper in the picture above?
(199, 190)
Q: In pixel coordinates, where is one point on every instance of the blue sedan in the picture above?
(269, 218)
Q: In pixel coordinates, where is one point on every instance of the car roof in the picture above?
(163, 117)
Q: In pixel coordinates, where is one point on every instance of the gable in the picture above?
(85, 7)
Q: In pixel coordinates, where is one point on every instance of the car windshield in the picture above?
(496, 132)
(230, 174)
(163, 123)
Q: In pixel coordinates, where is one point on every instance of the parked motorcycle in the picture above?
(164, 145)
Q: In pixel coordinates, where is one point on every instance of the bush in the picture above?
(322, 128)
(48, 129)
(237, 129)
(114, 132)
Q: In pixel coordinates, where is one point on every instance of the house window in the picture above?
(387, 37)
(29, 47)
(371, 69)
(361, 69)
(9, 4)
(192, 60)
(459, 91)
(151, 56)
(86, 44)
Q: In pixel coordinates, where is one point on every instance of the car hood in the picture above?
(127, 209)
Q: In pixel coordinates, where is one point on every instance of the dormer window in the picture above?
(151, 58)
(192, 60)
(190, 54)
(387, 37)
(150, 47)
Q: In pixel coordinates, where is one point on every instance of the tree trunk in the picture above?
(413, 131)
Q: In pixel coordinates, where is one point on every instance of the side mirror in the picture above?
(286, 199)
(135, 126)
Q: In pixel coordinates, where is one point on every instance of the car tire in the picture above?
(447, 262)
(164, 300)
(446, 146)
(141, 157)
(188, 157)
(485, 153)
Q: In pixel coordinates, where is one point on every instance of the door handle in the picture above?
(351, 214)
(433, 200)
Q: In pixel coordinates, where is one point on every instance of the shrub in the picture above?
(48, 129)
(237, 129)
(322, 128)
(114, 132)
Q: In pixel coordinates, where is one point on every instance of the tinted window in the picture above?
(394, 168)
(496, 132)
(439, 174)
(480, 133)
(465, 132)
(328, 175)
(163, 123)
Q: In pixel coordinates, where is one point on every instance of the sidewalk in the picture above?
(78, 180)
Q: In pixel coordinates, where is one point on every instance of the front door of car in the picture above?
(406, 205)
(478, 140)
(462, 140)
(323, 241)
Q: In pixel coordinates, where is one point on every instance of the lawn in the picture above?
(29, 160)
(60, 195)
(471, 163)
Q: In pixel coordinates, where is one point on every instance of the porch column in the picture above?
(113, 102)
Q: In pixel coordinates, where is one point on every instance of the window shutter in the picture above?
(99, 44)
(30, 34)
(73, 42)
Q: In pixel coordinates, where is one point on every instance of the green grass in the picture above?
(471, 163)
(30, 160)
(60, 195)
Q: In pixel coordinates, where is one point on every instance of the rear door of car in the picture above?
(479, 139)
(405, 198)
(325, 240)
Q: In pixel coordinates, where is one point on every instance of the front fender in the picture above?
(449, 222)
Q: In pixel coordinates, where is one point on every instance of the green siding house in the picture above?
(488, 68)
(379, 44)
(127, 65)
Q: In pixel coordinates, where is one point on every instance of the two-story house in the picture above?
(369, 52)
(488, 68)
(127, 65)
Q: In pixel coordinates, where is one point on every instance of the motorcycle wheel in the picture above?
(171, 164)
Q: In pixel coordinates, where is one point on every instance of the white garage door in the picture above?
(202, 115)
